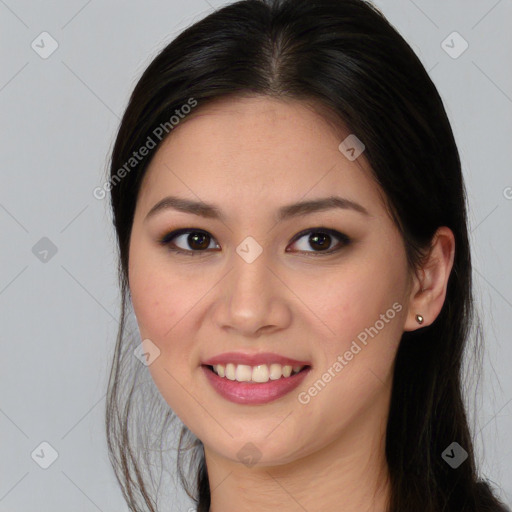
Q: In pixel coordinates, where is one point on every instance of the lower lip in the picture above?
(254, 393)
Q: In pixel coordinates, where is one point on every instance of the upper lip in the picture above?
(253, 359)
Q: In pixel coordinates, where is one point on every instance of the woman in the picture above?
(291, 218)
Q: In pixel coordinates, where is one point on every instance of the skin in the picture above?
(250, 156)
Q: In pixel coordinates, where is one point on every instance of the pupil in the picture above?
(313, 239)
(192, 238)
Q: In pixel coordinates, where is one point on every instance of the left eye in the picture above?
(199, 241)
(321, 238)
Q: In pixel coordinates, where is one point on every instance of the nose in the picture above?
(253, 299)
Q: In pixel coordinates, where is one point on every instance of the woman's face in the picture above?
(248, 285)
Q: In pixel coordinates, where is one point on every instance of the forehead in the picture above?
(253, 121)
(252, 148)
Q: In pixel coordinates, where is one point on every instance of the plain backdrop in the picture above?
(58, 289)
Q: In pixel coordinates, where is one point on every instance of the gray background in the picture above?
(59, 316)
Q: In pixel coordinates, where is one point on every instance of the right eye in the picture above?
(196, 239)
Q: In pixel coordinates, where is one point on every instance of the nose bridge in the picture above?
(251, 275)
(252, 299)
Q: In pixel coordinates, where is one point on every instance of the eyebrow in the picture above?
(210, 211)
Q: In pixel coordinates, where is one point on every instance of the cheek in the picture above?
(350, 300)
(159, 298)
(364, 308)
(162, 308)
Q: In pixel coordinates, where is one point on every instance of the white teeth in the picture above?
(230, 371)
(243, 373)
(276, 371)
(260, 373)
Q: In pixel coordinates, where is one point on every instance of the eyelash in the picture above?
(344, 241)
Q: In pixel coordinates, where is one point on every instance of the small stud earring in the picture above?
(419, 319)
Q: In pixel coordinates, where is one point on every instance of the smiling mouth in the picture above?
(259, 374)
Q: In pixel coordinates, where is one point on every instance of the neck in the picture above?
(347, 475)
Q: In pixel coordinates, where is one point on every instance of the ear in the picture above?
(430, 282)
